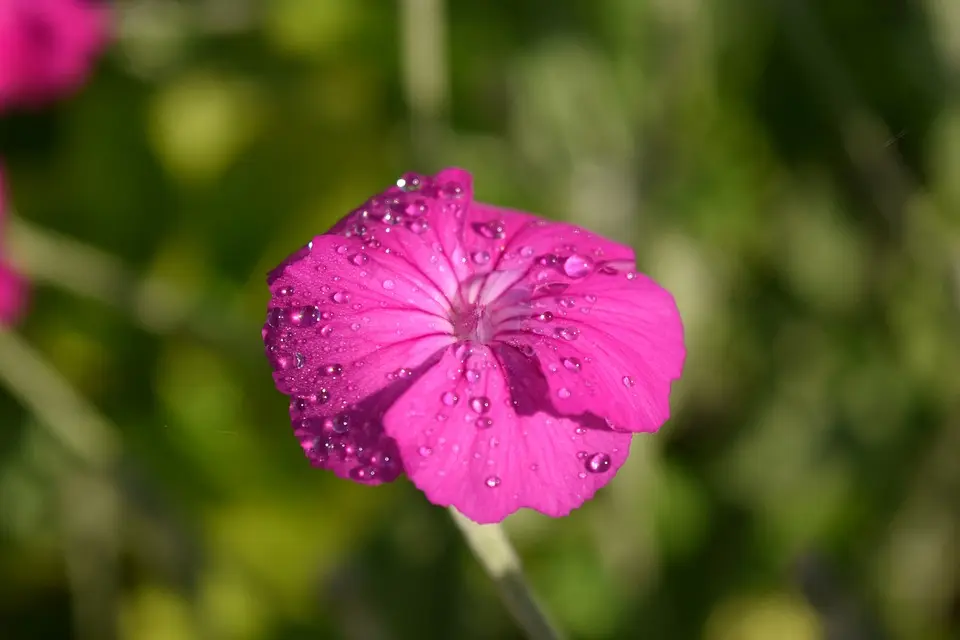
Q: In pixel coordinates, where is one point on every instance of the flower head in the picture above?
(12, 286)
(47, 47)
(498, 359)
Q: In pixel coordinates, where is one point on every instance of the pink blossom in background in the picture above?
(47, 48)
(498, 359)
(12, 287)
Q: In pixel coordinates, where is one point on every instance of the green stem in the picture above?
(492, 548)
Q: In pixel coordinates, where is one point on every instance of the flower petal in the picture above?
(422, 220)
(608, 343)
(504, 242)
(347, 330)
(471, 439)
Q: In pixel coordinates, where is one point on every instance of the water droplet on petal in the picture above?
(546, 316)
(480, 257)
(341, 297)
(590, 298)
(577, 266)
(332, 370)
(341, 423)
(628, 381)
(484, 422)
(449, 398)
(300, 360)
(493, 482)
(480, 404)
(472, 375)
(410, 182)
(425, 452)
(526, 252)
(598, 463)
(419, 226)
(547, 260)
(571, 364)
(388, 284)
(355, 326)
(451, 190)
(568, 333)
(563, 392)
(276, 317)
(359, 259)
(286, 291)
(323, 396)
(326, 331)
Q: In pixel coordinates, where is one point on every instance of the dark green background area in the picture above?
(788, 168)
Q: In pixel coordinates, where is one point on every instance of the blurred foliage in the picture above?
(787, 167)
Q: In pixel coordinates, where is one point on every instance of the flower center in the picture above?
(472, 322)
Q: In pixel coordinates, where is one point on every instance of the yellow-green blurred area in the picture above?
(788, 168)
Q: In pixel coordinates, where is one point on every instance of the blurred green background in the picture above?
(790, 169)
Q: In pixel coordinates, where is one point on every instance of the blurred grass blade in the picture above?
(73, 421)
(90, 503)
(157, 305)
(492, 548)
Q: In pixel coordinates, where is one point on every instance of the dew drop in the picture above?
(388, 284)
(491, 230)
(568, 333)
(286, 291)
(577, 266)
(472, 375)
(563, 393)
(493, 482)
(483, 422)
(276, 317)
(425, 452)
(526, 252)
(598, 463)
(355, 326)
(332, 369)
(480, 257)
(299, 360)
(449, 398)
(590, 298)
(546, 316)
(341, 423)
(359, 259)
(409, 182)
(308, 316)
(571, 364)
(418, 226)
(480, 404)
(341, 297)
(451, 190)
(326, 331)
(628, 381)
(323, 396)
(547, 260)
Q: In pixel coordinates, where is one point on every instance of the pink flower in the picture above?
(47, 48)
(12, 286)
(500, 360)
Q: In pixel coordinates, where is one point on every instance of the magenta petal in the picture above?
(467, 440)
(612, 346)
(347, 331)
